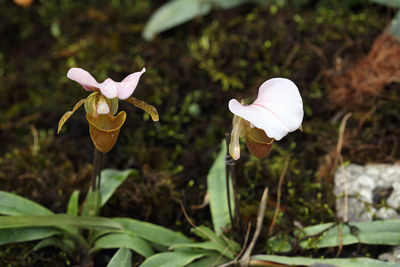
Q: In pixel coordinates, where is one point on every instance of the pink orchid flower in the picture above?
(102, 106)
(108, 88)
(277, 111)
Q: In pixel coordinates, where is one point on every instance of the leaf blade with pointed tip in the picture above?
(174, 13)
(26, 234)
(152, 232)
(304, 261)
(73, 203)
(172, 259)
(122, 258)
(58, 220)
(110, 180)
(216, 183)
(11, 204)
(118, 240)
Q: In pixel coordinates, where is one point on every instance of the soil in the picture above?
(193, 70)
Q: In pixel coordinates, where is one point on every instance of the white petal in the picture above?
(83, 78)
(277, 110)
(128, 85)
(108, 88)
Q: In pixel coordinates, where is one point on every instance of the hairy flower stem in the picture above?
(97, 166)
(230, 173)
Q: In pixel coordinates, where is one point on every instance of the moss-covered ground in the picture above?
(192, 72)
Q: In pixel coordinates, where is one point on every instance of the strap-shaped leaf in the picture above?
(64, 244)
(169, 259)
(152, 232)
(68, 114)
(210, 260)
(111, 180)
(151, 110)
(207, 245)
(26, 234)
(122, 258)
(58, 220)
(73, 203)
(92, 204)
(216, 183)
(11, 204)
(118, 240)
(272, 260)
(208, 234)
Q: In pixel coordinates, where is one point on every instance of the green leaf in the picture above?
(207, 245)
(389, 3)
(92, 206)
(217, 191)
(351, 262)
(110, 181)
(58, 220)
(395, 25)
(11, 204)
(152, 232)
(73, 203)
(64, 244)
(208, 234)
(26, 234)
(122, 258)
(174, 13)
(223, 246)
(177, 12)
(373, 233)
(118, 240)
(210, 260)
(171, 259)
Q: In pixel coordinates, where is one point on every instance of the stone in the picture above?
(373, 192)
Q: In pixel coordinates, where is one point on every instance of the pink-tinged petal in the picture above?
(109, 88)
(277, 110)
(128, 85)
(84, 78)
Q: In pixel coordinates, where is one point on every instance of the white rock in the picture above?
(364, 184)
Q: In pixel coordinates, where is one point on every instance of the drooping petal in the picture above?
(84, 78)
(68, 114)
(128, 85)
(277, 110)
(109, 88)
(151, 110)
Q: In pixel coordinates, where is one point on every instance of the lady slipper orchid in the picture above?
(102, 105)
(277, 111)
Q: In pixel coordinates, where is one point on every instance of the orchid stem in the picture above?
(229, 163)
(97, 166)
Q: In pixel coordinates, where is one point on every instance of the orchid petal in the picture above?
(109, 88)
(151, 110)
(104, 130)
(84, 78)
(277, 110)
(68, 114)
(128, 85)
